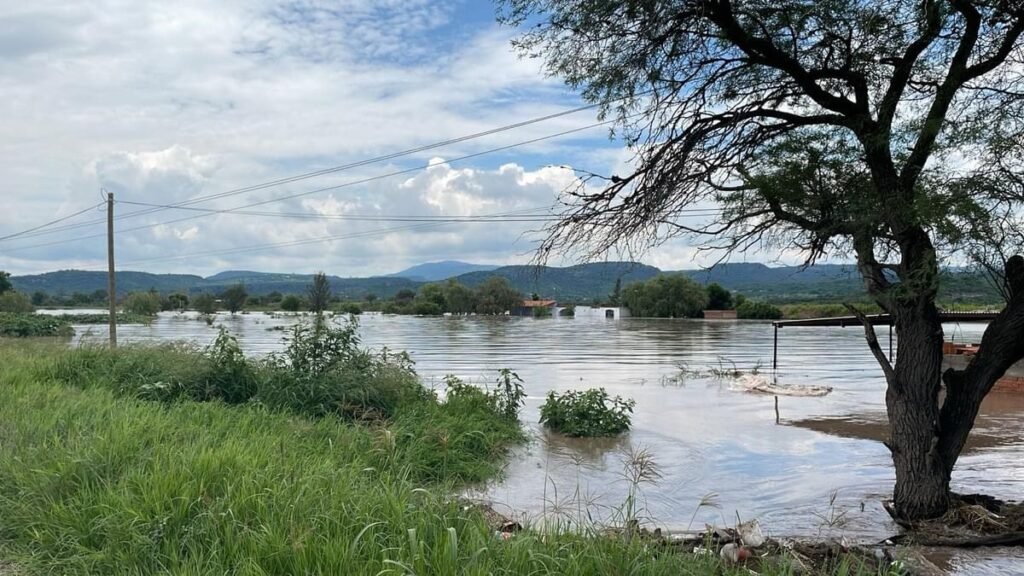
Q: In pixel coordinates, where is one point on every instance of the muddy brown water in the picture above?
(821, 472)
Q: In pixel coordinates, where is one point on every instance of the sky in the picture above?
(166, 102)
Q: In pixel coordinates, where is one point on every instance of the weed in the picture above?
(28, 325)
(586, 414)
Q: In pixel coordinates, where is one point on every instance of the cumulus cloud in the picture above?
(166, 102)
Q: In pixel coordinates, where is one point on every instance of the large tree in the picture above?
(319, 293)
(886, 129)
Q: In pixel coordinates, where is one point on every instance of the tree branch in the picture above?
(876, 349)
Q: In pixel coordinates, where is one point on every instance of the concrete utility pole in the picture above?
(111, 283)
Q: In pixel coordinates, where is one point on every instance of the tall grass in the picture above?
(98, 478)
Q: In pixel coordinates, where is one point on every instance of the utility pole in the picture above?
(111, 283)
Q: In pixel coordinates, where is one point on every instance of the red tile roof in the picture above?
(538, 303)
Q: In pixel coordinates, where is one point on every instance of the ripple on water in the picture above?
(822, 471)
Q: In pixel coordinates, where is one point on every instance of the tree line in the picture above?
(677, 296)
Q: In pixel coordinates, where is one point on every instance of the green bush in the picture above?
(568, 311)
(426, 308)
(666, 296)
(16, 302)
(542, 312)
(588, 413)
(751, 310)
(352, 308)
(323, 371)
(33, 326)
(291, 303)
(205, 304)
(143, 303)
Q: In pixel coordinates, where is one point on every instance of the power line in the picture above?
(323, 189)
(392, 218)
(330, 238)
(50, 223)
(340, 168)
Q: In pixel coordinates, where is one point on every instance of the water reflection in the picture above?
(705, 436)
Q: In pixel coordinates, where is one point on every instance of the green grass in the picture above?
(95, 479)
(28, 325)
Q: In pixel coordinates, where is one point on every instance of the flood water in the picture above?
(820, 471)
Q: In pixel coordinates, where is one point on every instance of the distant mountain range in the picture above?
(434, 271)
(584, 282)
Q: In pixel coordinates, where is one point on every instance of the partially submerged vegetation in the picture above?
(19, 325)
(326, 458)
(588, 413)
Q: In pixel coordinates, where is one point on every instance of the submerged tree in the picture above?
(234, 298)
(5, 282)
(886, 129)
(319, 293)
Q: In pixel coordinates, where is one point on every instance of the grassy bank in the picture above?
(141, 462)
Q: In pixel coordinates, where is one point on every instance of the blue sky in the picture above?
(165, 102)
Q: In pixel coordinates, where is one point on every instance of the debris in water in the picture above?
(762, 385)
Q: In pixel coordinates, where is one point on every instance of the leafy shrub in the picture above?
(542, 312)
(33, 325)
(504, 401)
(143, 303)
(291, 303)
(323, 371)
(568, 311)
(16, 302)
(586, 414)
(352, 308)
(751, 310)
(231, 377)
(426, 308)
(205, 303)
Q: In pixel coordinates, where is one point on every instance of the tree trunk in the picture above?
(912, 401)
(926, 438)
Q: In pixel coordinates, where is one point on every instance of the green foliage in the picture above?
(319, 293)
(405, 295)
(568, 311)
(142, 303)
(16, 302)
(751, 310)
(541, 312)
(719, 298)
(433, 294)
(205, 303)
(820, 310)
(21, 325)
(177, 301)
(589, 413)
(509, 394)
(504, 402)
(615, 299)
(424, 308)
(291, 303)
(5, 282)
(122, 486)
(38, 298)
(497, 296)
(235, 297)
(351, 308)
(666, 296)
(122, 318)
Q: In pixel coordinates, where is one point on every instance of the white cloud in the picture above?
(162, 102)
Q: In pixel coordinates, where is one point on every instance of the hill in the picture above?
(71, 281)
(435, 271)
(581, 282)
